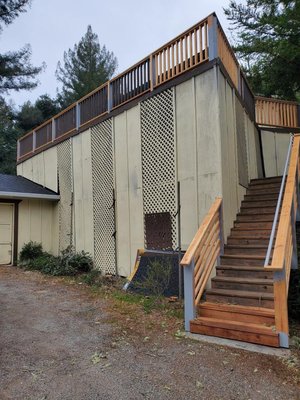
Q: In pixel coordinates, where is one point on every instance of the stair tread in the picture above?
(247, 246)
(235, 325)
(241, 293)
(243, 256)
(236, 308)
(242, 267)
(263, 281)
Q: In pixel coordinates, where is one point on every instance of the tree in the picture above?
(84, 68)
(9, 134)
(32, 115)
(16, 70)
(267, 35)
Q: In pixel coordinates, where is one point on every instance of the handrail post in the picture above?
(53, 133)
(281, 307)
(77, 115)
(213, 37)
(189, 295)
(152, 72)
(33, 140)
(18, 150)
(109, 97)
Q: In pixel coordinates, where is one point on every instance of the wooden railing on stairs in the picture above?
(201, 257)
(285, 251)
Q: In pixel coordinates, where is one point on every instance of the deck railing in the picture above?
(281, 113)
(200, 259)
(285, 250)
(204, 42)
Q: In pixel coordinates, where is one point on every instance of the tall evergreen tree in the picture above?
(16, 70)
(84, 68)
(267, 34)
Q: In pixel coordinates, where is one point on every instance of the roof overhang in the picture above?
(23, 196)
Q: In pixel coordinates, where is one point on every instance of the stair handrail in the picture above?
(285, 249)
(278, 205)
(200, 258)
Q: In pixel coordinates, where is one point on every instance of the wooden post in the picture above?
(109, 97)
(281, 308)
(189, 295)
(53, 133)
(18, 149)
(77, 111)
(33, 140)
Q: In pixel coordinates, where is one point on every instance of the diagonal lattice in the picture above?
(64, 159)
(103, 197)
(158, 157)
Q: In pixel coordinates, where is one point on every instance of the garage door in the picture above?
(6, 233)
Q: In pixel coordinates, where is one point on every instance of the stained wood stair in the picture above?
(240, 303)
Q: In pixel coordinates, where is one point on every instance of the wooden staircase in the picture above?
(240, 303)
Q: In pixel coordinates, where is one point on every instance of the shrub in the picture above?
(31, 251)
(77, 262)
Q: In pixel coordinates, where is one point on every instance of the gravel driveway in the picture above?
(58, 342)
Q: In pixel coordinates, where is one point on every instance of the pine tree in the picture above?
(16, 70)
(84, 68)
(267, 35)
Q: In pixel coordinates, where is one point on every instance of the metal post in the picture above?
(77, 116)
(53, 133)
(33, 140)
(189, 295)
(109, 97)
(213, 38)
(18, 149)
(152, 72)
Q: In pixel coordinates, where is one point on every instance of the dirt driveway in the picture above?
(59, 342)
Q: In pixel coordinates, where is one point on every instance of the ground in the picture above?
(60, 339)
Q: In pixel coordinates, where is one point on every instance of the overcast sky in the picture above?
(132, 29)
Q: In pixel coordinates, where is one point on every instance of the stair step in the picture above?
(242, 260)
(261, 210)
(244, 271)
(239, 283)
(249, 225)
(262, 181)
(248, 240)
(241, 297)
(251, 250)
(254, 315)
(261, 197)
(262, 191)
(265, 217)
(256, 233)
(266, 186)
(257, 203)
(253, 333)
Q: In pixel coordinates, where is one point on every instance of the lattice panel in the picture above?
(159, 158)
(103, 197)
(64, 159)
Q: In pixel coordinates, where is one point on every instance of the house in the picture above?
(139, 162)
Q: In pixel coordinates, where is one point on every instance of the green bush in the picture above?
(31, 251)
(69, 263)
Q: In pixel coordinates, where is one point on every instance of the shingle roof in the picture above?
(12, 186)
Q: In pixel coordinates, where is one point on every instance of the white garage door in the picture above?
(6, 233)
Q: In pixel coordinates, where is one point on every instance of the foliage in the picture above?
(9, 132)
(32, 115)
(157, 277)
(69, 263)
(16, 70)
(92, 278)
(84, 68)
(267, 36)
(294, 295)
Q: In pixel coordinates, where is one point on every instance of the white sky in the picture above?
(132, 29)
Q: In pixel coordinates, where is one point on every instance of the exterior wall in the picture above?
(128, 184)
(200, 135)
(83, 193)
(37, 223)
(41, 169)
(198, 151)
(275, 146)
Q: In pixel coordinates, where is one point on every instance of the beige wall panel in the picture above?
(253, 150)
(269, 153)
(83, 195)
(208, 143)
(187, 159)
(38, 169)
(27, 169)
(282, 145)
(50, 167)
(122, 195)
(35, 223)
(135, 183)
(20, 169)
(241, 193)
